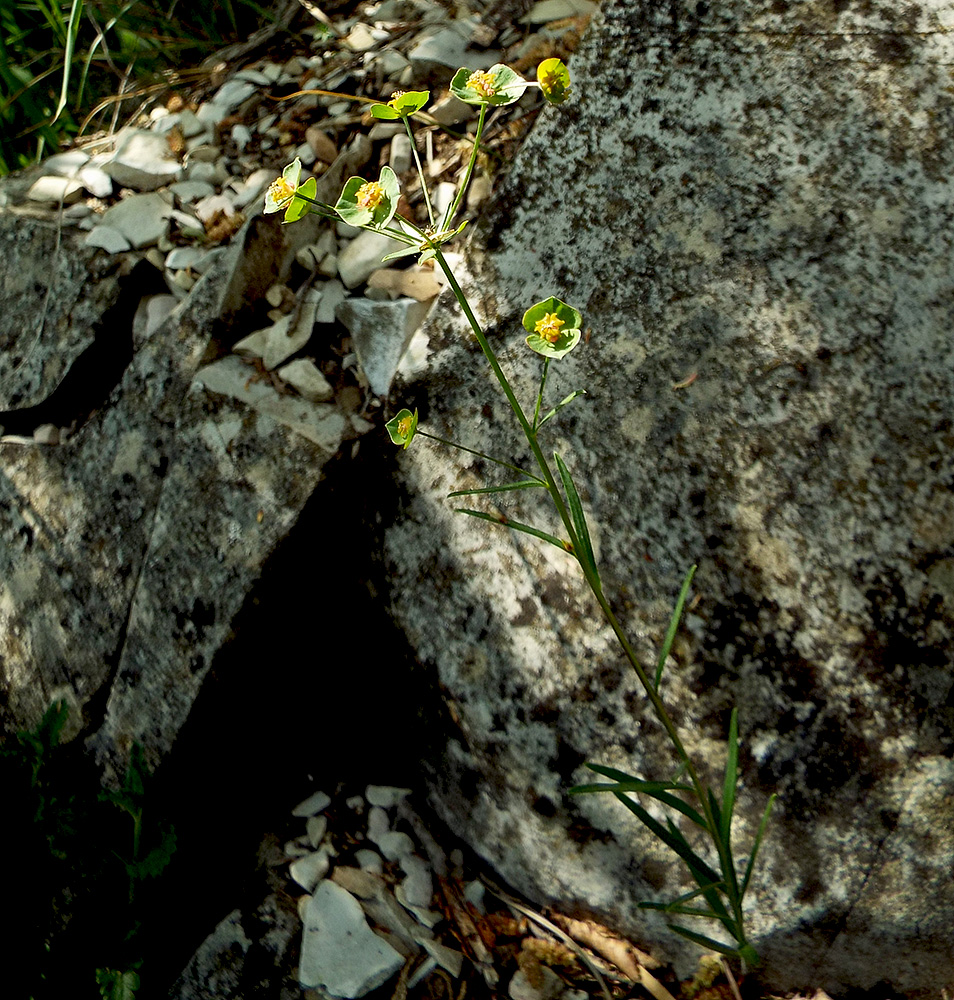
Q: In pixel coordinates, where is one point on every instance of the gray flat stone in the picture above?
(143, 219)
(107, 238)
(381, 332)
(141, 161)
(339, 952)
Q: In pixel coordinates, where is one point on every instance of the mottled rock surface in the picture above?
(758, 195)
(128, 550)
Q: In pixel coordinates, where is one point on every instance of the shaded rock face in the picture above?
(755, 194)
(128, 550)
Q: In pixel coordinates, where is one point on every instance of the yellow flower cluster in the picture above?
(369, 195)
(549, 327)
(482, 83)
(280, 191)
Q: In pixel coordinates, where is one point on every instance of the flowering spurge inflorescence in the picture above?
(402, 427)
(286, 193)
(403, 104)
(370, 203)
(496, 86)
(554, 328)
(553, 78)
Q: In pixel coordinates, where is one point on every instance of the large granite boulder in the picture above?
(756, 194)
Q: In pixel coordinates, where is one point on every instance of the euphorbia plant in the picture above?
(554, 330)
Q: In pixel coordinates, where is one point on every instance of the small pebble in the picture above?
(313, 805)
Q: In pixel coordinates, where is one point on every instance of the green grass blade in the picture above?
(72, 30)
(505, 522)
(750, 867)
(673, 625)
(731, 779)
(523, 484)
(579, 518)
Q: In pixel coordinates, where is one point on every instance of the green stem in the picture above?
(449, 219)
(543, 382)
(589, 573)
(480, 454)
(420, 169)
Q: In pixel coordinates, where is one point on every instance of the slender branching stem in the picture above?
(449, 219)
(543, 382)
(420, 170)
(480, 454)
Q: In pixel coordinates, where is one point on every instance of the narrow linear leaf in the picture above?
(523, 484)
(516, 525)
(673, 625)
(706, 942)
(685, 898)
(677, 844)
(579, 518)
(716, 812)
(661, 794)
(683, 911)
(731, 779)
(559, 406)
(616, 775)
(749, 868)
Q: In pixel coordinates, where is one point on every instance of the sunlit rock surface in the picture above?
(754, 197)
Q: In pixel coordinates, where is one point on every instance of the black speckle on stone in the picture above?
(568, 759)
(547, 712)
(544, 806)
(892, 48)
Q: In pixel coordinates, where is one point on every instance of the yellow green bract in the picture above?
(402, 427)
(554, 80)
(554, 328)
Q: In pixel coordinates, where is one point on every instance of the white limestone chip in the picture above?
(303, 375)
(52, 189)
(315, 803)
(385, 796)
(309, 870)
(339, 951)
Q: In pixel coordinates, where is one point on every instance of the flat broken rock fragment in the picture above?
(339, 950)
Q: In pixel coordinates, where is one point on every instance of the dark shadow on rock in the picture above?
(316, 688)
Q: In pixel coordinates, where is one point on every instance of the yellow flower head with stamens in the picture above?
(404, 426)
(369, 195)
(482, 83)
(395, 97)
(549, 327)
(280, 190)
